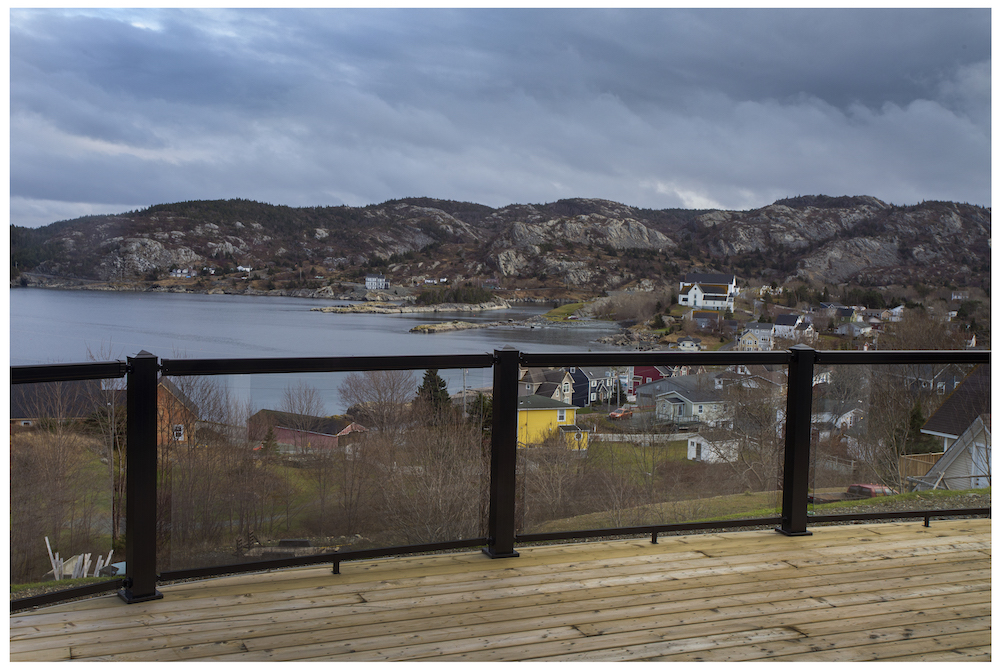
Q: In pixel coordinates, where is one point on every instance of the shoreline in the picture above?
(390, 308)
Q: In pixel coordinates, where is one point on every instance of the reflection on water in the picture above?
(50, 326)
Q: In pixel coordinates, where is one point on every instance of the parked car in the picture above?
(854, 491)
(868, 490)
(620, 413)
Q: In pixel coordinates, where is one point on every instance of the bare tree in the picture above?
(303, 407)
(380, 398)
(551, 474)
(431, 491)
(110, 420)
(917, 330)
(758, 432)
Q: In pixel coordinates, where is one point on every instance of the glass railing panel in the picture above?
(262, 467)
(698, 444)
(67, 484)
(900, 437)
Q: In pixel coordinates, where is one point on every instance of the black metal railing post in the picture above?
(503, 455)
(798, 418)
(140, 485)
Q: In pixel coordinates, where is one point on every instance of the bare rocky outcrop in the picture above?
(134, 257)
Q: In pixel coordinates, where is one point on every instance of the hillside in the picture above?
(581, 246)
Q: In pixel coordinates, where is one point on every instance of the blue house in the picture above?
(591, 385)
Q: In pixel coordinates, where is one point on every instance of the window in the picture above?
(561, 415)
(178, 432)
(565, 388)
(572, 369)
(593, 383)
(701, 409)
(593, 396)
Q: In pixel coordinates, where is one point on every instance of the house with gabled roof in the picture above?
(963, 423)
(686, 400)
(591, 385)
(177, 416)
(548, 382)
(969, 400)
(295, 433)
(966, 464)
(756, 337)
(688, 344)
(540, 418)
(70, 400)
(644, 373)
(785, 324)
(708, 290)
(706, 319)
(712, 447)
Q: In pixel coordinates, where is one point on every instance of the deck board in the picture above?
(894, 591)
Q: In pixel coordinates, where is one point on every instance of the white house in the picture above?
(688, 344)
(711, 449)
(853, 329)
(376, 281)
(708, 290)
(962, 422)
(966, 464)
(785, 324)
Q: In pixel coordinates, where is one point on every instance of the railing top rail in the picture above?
(723, 358)
(653, 358)
(903, 357)
(50, 373)
(201, 367)
(40, 373)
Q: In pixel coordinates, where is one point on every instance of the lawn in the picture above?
(562, 313)
(749, 505)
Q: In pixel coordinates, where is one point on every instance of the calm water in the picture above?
(49, 326)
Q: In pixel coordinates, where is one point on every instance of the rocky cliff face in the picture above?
(588, 244)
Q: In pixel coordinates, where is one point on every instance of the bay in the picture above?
(50, 326)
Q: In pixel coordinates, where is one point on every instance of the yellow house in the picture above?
(539, 418)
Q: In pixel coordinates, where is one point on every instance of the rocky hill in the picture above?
(585, 245)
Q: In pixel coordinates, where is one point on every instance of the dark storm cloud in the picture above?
(655, 108)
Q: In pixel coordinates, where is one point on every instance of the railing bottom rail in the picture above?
(926, 515)
(318, 559)
(23, 603)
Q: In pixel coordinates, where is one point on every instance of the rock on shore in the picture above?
(456, 325)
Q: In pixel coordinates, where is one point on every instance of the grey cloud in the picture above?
(655, 108)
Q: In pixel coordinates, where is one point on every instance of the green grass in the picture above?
(562, 313)
(929, 497)
(723, 507)
(729, 507)
(630, 456)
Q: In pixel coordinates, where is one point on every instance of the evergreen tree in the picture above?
(433, 395)
(269, 446)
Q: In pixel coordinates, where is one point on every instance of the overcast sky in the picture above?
(112, 110)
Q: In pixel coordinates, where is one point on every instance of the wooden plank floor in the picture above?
(894, 591)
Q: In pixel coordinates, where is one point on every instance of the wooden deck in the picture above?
(860, 592)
